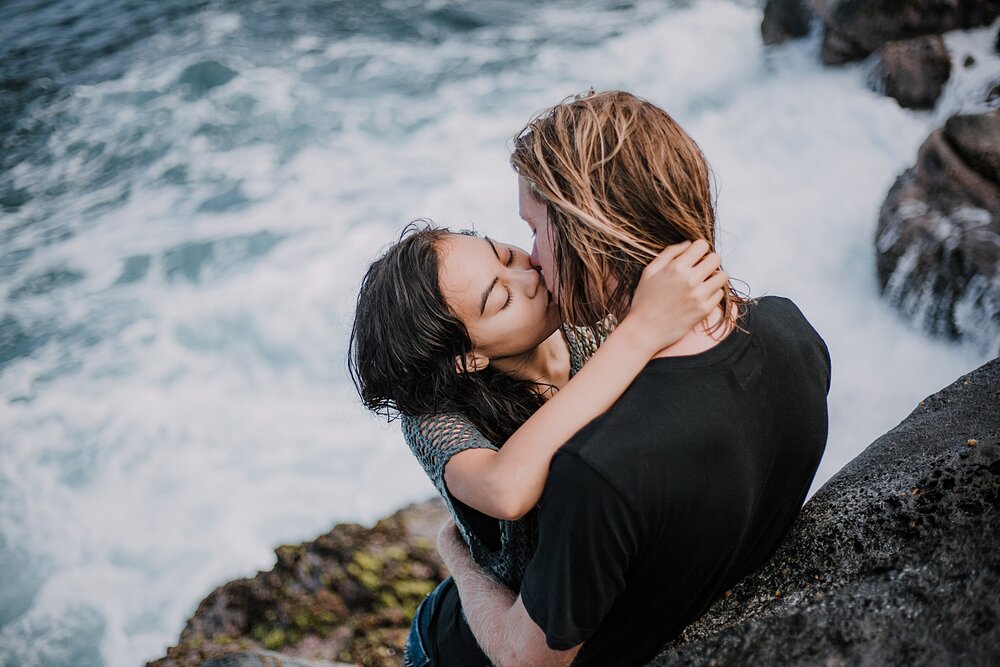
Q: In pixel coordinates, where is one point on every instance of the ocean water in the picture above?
(191, 190)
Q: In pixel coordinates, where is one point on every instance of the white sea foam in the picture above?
(174, 431)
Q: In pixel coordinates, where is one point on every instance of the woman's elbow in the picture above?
(497, 501)
(504, 496)
(509, 506)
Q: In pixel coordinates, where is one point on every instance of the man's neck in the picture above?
(703, 336)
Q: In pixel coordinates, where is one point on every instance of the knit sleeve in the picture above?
(434, 439)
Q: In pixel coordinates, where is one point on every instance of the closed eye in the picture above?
(510, 297)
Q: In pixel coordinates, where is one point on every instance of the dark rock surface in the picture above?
(855, 28)
(938, 237)
(348, 596)
(912, 71)
(896, 560)
(785, 20)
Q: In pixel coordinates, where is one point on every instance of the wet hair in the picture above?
(405, 340)
(620, 180)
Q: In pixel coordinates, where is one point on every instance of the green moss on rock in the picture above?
(352, 592)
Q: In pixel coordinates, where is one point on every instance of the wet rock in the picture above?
(912, 71)
(977, 140)
(260, 658)
(894, 561)
(348, 596)
(853, 29)
(785, 20)
(938, 237)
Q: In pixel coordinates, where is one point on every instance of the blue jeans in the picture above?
(415, 654)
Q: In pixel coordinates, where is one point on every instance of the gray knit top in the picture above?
(434, 439)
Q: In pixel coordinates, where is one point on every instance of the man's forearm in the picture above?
(496, 616)
(484, 600)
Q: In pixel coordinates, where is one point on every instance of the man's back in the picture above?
(685, 486)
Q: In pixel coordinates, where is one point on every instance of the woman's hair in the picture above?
(405, 341)
(620, 180)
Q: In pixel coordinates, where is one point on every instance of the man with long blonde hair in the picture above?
(692, 479)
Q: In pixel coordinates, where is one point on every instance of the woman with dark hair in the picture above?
(457, 335)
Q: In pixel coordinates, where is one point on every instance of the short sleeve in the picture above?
(587, 537)
(434, 439)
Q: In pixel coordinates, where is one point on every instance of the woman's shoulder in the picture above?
(442, 434)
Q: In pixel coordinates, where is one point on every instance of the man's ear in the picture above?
(473, 362)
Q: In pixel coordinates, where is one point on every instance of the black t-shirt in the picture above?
(685, 486)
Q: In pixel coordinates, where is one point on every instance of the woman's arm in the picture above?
(677, 290)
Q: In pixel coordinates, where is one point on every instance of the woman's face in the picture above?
(536, 215)
(497, 293)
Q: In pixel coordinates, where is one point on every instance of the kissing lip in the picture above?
(549, 299)
(542, 286)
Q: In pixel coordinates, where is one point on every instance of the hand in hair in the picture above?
(678, 289)
(686, 278)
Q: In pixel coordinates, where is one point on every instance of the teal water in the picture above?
(190, 192)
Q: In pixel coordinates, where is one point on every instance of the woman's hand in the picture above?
(678, 289)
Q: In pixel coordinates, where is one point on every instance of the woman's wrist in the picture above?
(637, 335)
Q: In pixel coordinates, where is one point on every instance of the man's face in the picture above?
(536, 215)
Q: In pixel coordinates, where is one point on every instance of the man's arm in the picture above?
(496, 616)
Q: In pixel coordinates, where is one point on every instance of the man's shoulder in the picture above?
(573, 473)
(571, 470)
(777, 309)
(568, 467)
(781, 317)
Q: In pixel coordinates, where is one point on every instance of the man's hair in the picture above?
(620, 181)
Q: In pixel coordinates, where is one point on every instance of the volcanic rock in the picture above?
(912, 71)
(896, 560)
(855, 28)
(349, 596)
(938, 237)
(785, 20)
